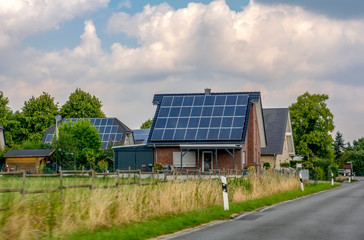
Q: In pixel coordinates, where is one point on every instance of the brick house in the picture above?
(280, 145)
(208, 130)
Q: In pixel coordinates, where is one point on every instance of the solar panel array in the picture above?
(107, 129)
(201, 118)
(141, 135)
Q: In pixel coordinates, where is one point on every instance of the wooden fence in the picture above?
(137, 176)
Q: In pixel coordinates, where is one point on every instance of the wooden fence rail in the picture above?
(133, 177)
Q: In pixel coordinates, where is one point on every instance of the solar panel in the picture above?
(105, 126)
(141, 134)
(201, 118)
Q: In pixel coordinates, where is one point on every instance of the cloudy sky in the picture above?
(125, 51)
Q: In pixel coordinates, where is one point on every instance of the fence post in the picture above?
(92, 179)
(60, 184)
(129, 174)
(152, 175)
(117, 181)
(140, 177)
(23, 187)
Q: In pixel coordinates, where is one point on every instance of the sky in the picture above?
(124, 52)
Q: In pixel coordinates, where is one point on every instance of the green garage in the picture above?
(134, 157)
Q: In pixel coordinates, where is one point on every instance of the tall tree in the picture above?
(312, 122)
(82, 105)
(5, 117)
(147, 124)
(37, 115)
(339, 145)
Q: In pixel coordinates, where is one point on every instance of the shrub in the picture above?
(285, 164)
(266, 165)
(158, 166)
(320, 173)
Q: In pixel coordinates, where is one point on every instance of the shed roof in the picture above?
(177, 134)
(275, 121)
(29, 153)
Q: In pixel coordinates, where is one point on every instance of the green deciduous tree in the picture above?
(312, 123)
(82, 105)
(5, 118)
(77, 144)
(37, 115)
(147, 124)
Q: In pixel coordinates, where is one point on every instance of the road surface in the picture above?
(334, 214)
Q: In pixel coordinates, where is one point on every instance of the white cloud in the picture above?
(125, 4)
(21, 18)
(279, 50)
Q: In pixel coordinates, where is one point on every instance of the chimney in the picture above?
(207, 91)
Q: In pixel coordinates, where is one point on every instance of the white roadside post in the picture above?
(224, 193)
(302, 188)
(332, 179)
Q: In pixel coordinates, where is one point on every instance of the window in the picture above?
(188, 160)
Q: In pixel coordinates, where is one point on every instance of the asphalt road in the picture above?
(334, 214)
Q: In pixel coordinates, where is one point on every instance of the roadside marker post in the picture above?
(332, 179)
(302, 188)
(350, 178)
(224, 193)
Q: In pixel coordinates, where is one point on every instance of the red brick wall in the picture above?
(224, 159)
(252, 140)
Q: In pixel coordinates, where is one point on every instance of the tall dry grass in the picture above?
(43, 215)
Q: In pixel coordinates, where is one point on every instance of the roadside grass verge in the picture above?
(171, 223)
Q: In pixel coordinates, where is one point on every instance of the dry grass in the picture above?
(43, 215)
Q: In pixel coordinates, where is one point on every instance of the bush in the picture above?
(266, 165)
(320, 173)
(285, 164)
(158, 166)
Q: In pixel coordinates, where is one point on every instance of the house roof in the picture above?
(29, 153)
(141, 135)
(210, 126)
(110, 130)
(275, 121)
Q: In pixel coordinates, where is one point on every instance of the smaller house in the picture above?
(29, 160)
(111, 130)
(2, 138)
(280, 145)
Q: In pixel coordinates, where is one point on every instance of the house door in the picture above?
(206, 161)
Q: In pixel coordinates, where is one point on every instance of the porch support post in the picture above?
(234, 158)
(215, 158)
(198, 159)
(181, 160)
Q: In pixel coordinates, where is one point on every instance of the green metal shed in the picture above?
(135, 156)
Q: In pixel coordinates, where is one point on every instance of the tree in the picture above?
(339, 145)
(37, 115)
(147, 124)
(312, 123)
(5, 118)
(77, 143)
(4, 109)
(82, 105)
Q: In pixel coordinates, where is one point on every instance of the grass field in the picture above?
(83, 210)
